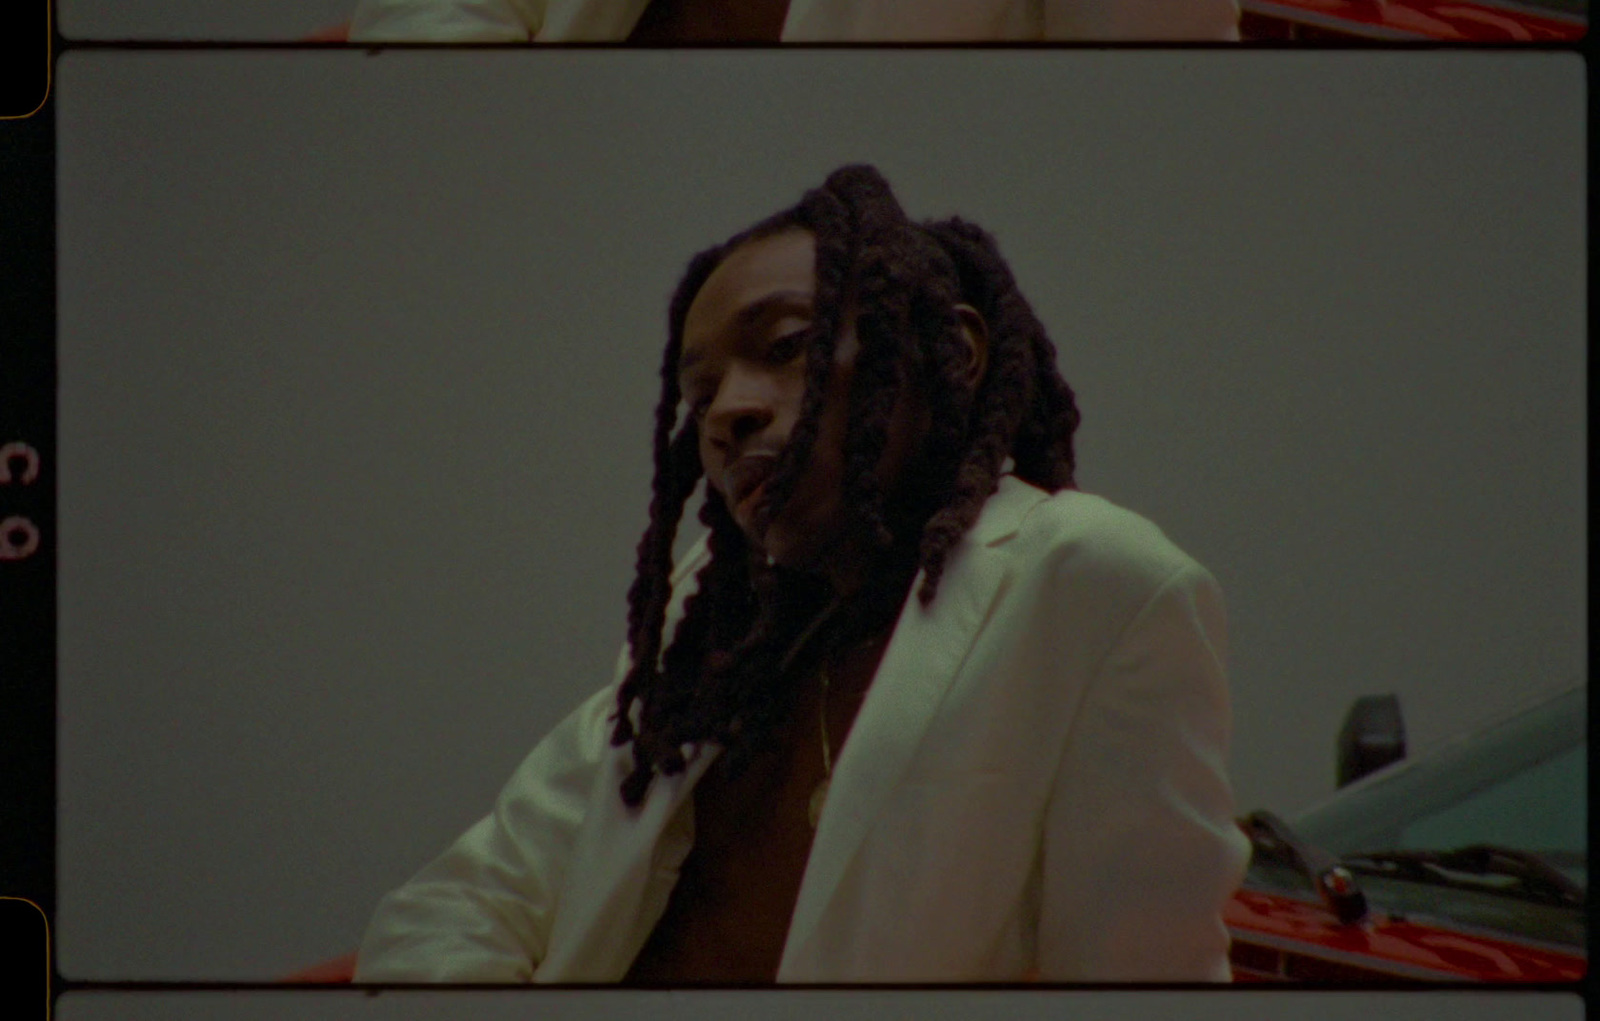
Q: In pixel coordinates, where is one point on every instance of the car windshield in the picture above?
(1539, 809)
(1490, 829)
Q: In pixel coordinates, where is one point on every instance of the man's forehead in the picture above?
(749, 276)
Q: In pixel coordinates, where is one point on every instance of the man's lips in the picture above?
(745, 477)
(746, 504)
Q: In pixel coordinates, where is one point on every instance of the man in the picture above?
(915, 710)
(696, 21)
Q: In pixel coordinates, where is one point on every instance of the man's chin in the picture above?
(786, 551)
(779, 554)
(808, 543)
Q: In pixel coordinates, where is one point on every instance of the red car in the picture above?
(1480, 21)
(1469, 864)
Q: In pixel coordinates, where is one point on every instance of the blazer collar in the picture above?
(928, 648)
(1002, 514)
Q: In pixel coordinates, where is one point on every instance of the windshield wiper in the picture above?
(1536, 878)
(1272, 838)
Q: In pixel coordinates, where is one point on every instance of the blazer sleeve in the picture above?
(1142, 20)
(494, 21)
(452, 21)
(482, 911)
(1140, 848)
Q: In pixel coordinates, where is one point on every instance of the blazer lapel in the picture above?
(923, 658)
(618, 855)
(620, 852)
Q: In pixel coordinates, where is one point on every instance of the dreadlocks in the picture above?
(747, 623)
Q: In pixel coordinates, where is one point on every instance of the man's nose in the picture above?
(742, 408)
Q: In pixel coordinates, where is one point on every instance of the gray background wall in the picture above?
(357, 366)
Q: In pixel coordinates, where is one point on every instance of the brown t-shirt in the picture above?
(729, 913)
(702, 21)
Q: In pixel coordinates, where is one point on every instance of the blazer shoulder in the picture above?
(1083, 536)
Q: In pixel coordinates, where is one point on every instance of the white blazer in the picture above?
(1034, 784)
(501, 21)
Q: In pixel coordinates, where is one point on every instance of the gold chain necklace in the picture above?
(819, 793)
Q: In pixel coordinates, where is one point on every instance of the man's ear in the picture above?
(975, 334)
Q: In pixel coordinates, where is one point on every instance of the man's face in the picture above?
(742, 373)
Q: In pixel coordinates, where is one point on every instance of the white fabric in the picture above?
(1035, 782)
(494, 21)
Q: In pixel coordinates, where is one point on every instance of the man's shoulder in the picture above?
(1081, 534)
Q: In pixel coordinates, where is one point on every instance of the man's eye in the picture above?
(786, 347)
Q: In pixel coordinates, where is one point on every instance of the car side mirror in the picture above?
(1373, 736)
